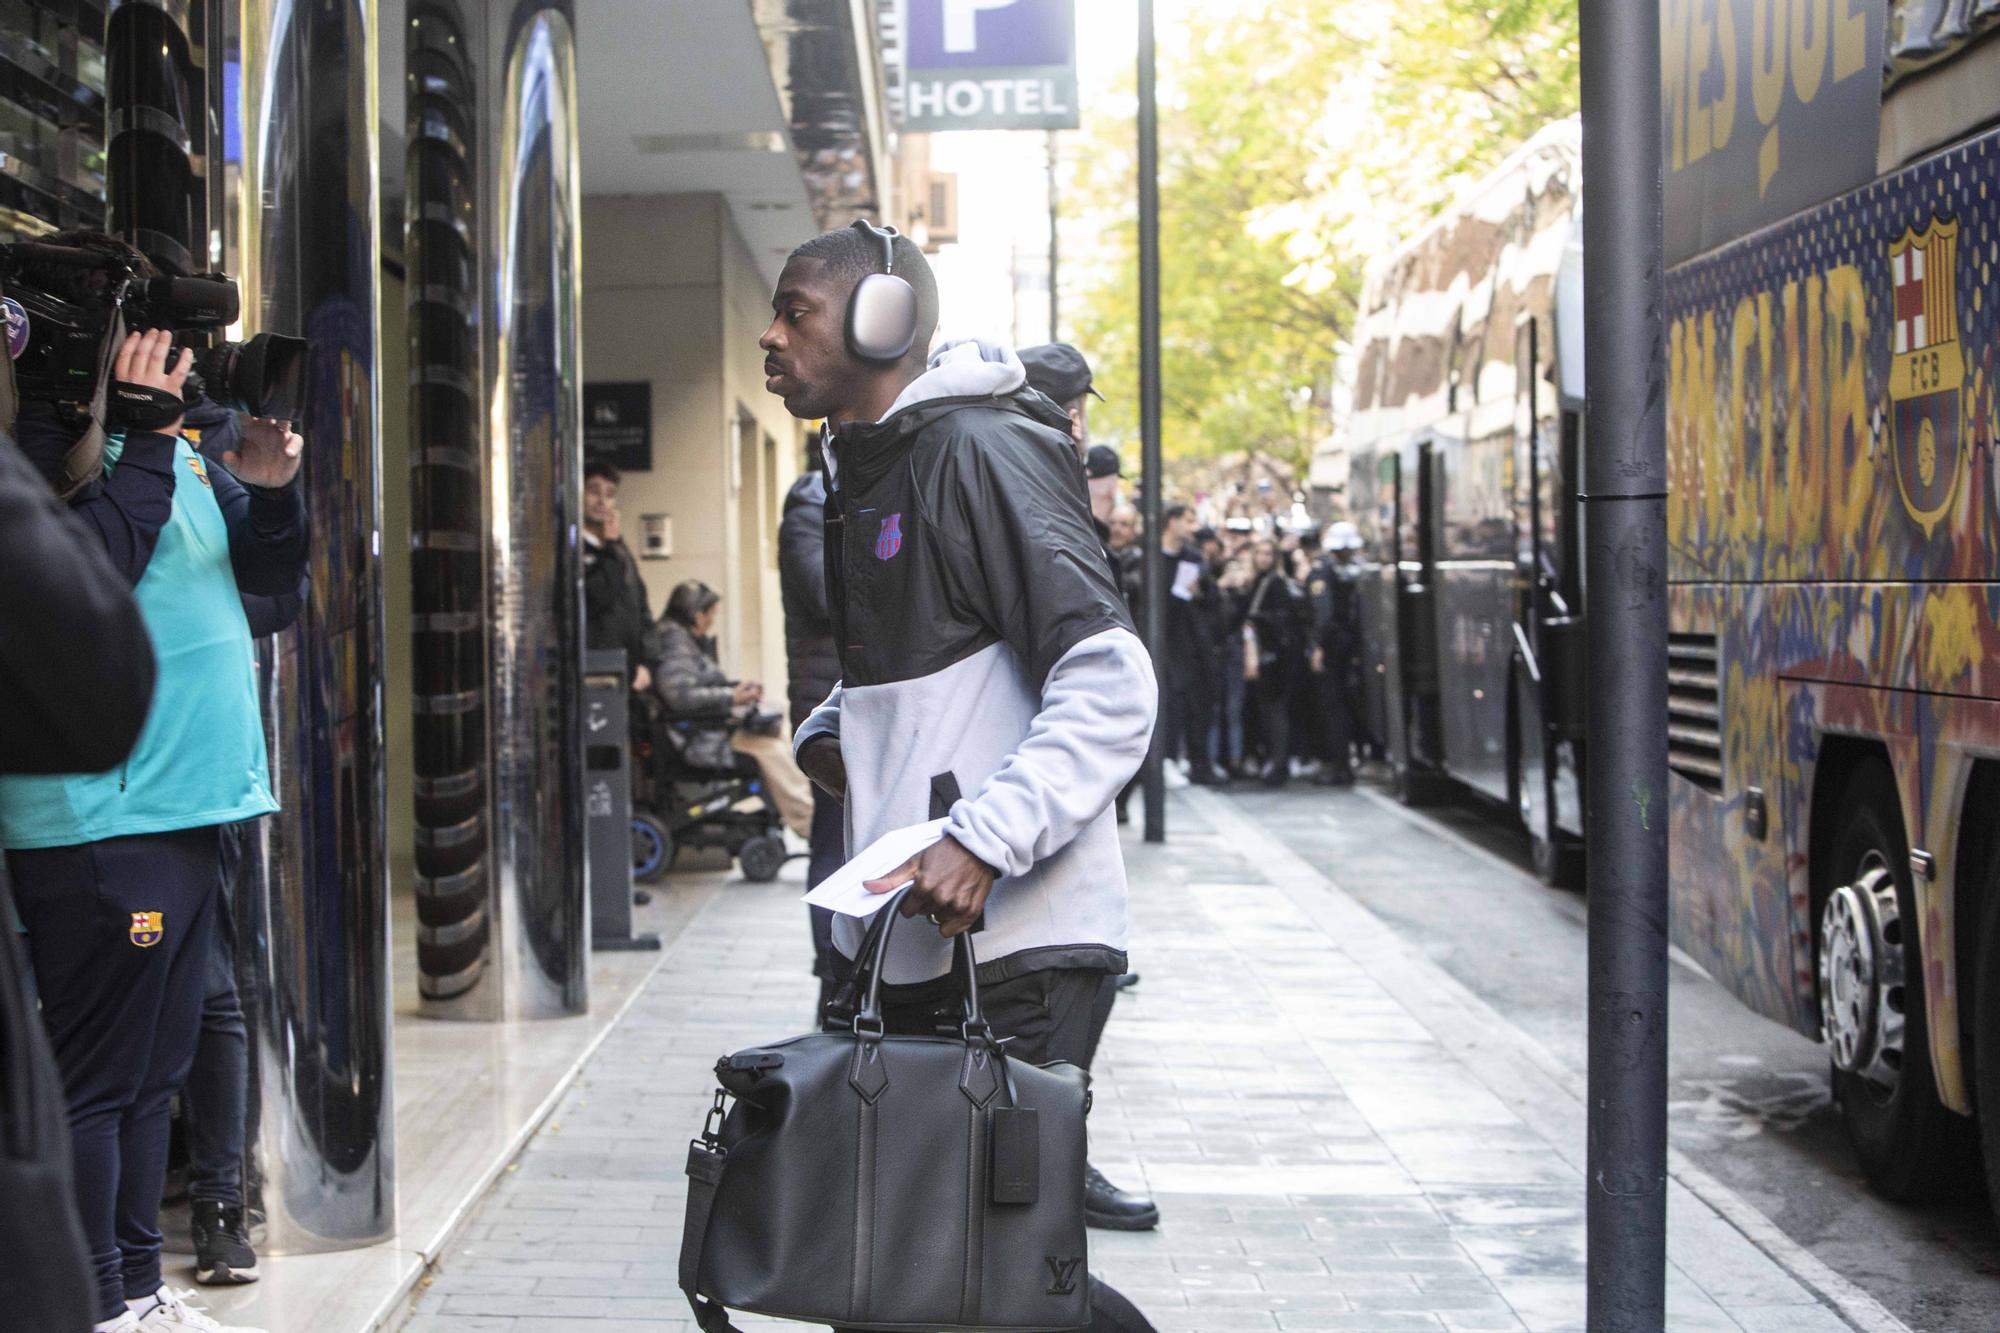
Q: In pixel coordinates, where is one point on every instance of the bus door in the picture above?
(1548, 680)
(1381, 663)
(1417, 608)
(1530, 748)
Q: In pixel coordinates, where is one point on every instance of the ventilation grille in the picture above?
(1694, 710)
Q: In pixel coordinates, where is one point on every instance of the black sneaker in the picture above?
(222, 1253)
(1111, 1209)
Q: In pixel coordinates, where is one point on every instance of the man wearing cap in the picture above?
(1336, 646)
(1100, 474)
(1059, 372)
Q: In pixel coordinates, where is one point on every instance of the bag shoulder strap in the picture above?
(704, 1171)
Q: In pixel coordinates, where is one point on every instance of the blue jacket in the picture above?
(193, 540)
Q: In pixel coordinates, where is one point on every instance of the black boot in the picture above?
(222, 1253)
(1111, 1209)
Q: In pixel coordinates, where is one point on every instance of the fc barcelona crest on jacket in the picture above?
(890, 539)
(148, 928)
(1926, 370)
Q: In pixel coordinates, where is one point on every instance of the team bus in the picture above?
(1833, 288)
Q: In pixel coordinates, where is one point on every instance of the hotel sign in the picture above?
(988, 65)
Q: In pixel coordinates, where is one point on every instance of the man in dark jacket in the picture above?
(615, 613)
(1061, 374)
(813, 667)
(1336, 647)
(1193, 628)
(990, 674)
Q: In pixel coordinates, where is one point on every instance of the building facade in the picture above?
(471, 210)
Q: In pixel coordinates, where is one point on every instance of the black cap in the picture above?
(1101, 461)
(1058, 370)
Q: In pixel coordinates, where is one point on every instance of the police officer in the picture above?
(1336, 643)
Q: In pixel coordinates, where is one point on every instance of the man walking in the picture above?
(989, 671)
(813, 667)
(1061, 374)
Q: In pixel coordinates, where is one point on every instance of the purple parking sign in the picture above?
(990, 34)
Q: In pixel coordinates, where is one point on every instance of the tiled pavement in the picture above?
(1339, 1137)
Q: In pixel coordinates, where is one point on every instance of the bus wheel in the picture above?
(1416, 785)
(1871, 996)
(1558, 859)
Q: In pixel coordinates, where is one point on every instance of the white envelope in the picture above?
(842, 892)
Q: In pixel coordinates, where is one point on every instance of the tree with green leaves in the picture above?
(1299, 141)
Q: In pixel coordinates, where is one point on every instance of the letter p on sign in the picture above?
(961, 23)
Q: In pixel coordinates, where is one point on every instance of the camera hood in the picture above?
(265, 376)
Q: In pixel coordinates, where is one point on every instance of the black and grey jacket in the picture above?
(989, 669)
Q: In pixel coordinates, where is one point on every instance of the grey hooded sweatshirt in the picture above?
(989, 669)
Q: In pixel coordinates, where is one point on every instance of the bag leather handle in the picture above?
(875, 950)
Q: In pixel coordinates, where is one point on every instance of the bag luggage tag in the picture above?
(1016, 1138)
(1014, 1147)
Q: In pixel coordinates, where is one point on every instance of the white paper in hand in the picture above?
(842, 891)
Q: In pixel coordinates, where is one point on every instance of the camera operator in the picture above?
(215, 1109)
(116, 873)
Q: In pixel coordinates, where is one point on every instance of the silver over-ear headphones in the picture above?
(882, 313)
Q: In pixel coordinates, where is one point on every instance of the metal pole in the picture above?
(1149, 402)
(1055, 303)
(1626, 617)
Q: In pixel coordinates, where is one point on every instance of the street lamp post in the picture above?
(1626, 616)
(1149, 402)
(1055, 235)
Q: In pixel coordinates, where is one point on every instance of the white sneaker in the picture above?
(124, 1323)
(1172, 777)
(173, 1314)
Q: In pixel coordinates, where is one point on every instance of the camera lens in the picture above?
(265, 376)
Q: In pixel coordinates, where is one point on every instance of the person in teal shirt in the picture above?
(116, 873)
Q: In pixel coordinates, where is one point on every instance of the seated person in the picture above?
(692, 685)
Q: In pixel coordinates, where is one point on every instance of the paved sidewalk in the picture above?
(1339, 1135)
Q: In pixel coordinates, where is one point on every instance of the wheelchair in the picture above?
(678, 804)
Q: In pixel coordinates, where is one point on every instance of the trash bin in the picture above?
(607, 788)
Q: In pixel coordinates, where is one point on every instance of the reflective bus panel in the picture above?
(1833, 532)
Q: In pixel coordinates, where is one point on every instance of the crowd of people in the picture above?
(1259, 661)
(1259, 668)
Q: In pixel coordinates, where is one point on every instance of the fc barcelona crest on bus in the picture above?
(1926, 370)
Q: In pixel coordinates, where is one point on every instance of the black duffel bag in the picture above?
(870, 1181)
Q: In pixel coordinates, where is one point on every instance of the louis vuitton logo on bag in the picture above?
(1062, 1273)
